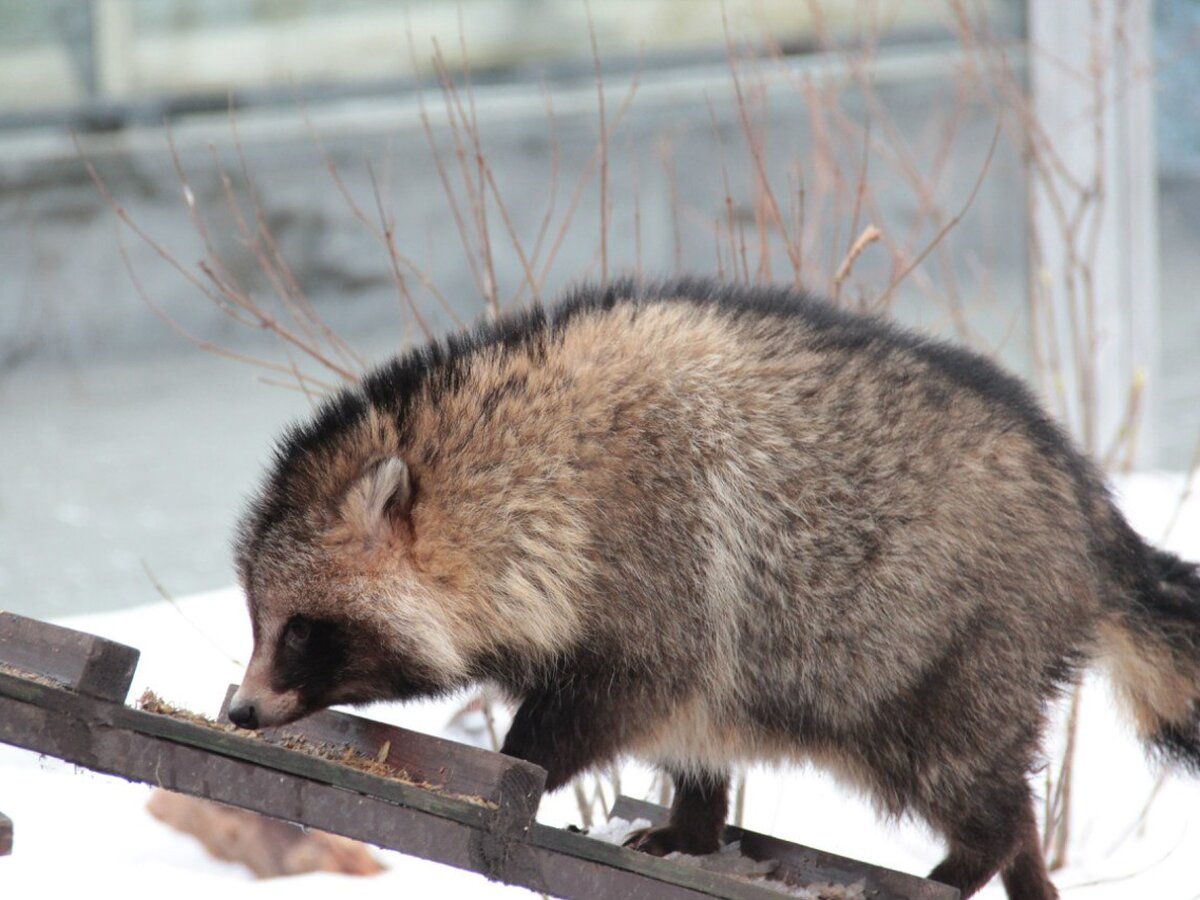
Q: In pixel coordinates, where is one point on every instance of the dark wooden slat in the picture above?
(6, 835)
(576, 866)
(106, 738)
(512, 784)
(472, 809)
(95, 715)
(191, 770)
(83, 662)
(800, 865)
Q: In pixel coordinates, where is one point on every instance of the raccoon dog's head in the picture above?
(337, 607)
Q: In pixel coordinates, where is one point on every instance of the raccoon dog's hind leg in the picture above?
(1026, 875)
(993, 829)
(697, 817)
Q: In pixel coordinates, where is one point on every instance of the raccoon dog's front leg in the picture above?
(565, 733)
(697, 818)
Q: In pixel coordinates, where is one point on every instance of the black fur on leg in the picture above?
(564, 734)
(994, 831)
(697, 818)
(1026, 877)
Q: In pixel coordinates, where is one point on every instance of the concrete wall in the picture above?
(68, 296)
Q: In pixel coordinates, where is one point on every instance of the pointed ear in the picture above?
(380, 500)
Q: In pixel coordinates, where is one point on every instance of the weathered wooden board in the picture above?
(83, 662)
(576, 866)
(290, 785)
(799, 865)
(268, 847)
(6, 835)
(88, 720)
(512, 784)
(192, 770)
(454, 804)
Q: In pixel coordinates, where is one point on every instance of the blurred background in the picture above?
(266, 175)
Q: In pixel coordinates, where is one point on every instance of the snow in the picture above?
(75, 829)
(617, 830)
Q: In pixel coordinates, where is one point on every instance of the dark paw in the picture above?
(668, 839)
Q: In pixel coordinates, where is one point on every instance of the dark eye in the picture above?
(297, 633)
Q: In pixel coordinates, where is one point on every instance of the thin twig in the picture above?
(869, 235)
(954, 220)
(603, 148)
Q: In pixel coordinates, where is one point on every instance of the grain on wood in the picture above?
(267, 846)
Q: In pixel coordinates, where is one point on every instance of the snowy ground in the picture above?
(75, 830)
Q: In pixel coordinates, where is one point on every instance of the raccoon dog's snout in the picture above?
(244, 715)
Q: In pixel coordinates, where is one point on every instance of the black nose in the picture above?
(244, 716)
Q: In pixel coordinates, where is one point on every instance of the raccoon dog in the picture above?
(701, 525)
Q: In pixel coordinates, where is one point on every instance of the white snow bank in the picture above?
(76, 830)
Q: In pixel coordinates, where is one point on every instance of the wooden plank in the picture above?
(267, 846)
(251, 774)
(6, 835)
(576, 866)
(471, 809)
(192, 770)
(800, 865)
(90, 714)
(83, 662)
(512, 784)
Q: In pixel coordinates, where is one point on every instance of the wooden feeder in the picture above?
(63, 693)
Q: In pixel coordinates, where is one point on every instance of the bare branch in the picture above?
(954, 220)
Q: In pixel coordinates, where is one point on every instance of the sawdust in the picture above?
(343, 754)
(45, 680)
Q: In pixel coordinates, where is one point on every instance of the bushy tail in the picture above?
(1152, 646)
